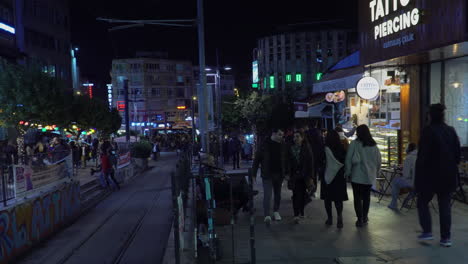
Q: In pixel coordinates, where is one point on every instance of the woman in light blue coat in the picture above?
(362, 164)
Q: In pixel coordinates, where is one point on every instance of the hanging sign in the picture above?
(368, 88)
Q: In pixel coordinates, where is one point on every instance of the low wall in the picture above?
(28, 223)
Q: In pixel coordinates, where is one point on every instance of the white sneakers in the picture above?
(277, 216)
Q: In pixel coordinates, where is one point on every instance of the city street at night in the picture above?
(233, 132)
(130, 226)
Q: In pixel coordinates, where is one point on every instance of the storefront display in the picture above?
(387, 142)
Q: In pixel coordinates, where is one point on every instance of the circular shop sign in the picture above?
(368, 88)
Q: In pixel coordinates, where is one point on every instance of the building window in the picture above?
(288, 77)
(272, 82)
(180, 92)
(179, 67)
(298, 77)
(170, 92)
(180, 80)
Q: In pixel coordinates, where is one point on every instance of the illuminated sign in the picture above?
(255, 72)
(368, 88)
(386, 26)
(90, 89)
(109, 94)
(120, 105)
(7, 28)
(182, 107)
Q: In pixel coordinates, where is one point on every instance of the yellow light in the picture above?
(460, 119)
(182, 107)
(194, 98)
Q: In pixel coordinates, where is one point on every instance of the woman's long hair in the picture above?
(364, 135)
(333, 141)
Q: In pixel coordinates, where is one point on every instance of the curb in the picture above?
(169, 253)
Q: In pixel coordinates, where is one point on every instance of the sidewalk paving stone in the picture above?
(390, 236)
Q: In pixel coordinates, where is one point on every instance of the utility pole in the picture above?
(127, 115)
(202, 103)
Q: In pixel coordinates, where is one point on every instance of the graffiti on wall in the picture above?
(30, 222)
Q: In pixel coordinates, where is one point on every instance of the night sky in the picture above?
(232, 27)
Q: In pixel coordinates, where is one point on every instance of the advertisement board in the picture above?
(255, 72)
(392, 29)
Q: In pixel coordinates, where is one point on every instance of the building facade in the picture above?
(43, 35)
(160, 90)
(402, 69)
(295, 60)
(8, 30)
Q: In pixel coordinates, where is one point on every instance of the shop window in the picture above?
(456, 96)
(298, 77)
(272, 82)
(435, 82)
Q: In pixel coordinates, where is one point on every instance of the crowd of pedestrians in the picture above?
(307, 155)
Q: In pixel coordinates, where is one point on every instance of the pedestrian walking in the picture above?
(407, 178)
(437, 173)
(333, 184)
(271, 158)
(247, 149)
(363, 161)
(315, 139)
(107, 167)
(235, 147)
(301, 174)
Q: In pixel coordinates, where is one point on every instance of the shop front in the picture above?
(425, 42)
(416, 54)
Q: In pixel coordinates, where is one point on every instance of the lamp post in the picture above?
(218, 108)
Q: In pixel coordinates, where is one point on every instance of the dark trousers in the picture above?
(271, 187)
(236, 160)
(362, 193)
(445, 214)
(109, 176)
(299, 194)
(338, 206)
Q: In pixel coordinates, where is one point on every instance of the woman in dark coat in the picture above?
(301, 173)
(333, 182)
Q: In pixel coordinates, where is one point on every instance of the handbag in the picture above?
(333, 166)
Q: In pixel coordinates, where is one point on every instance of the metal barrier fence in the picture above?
(7, 188)
(200, 181)
(34, 171)
(180, 182)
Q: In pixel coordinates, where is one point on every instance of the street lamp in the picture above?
(219, 110)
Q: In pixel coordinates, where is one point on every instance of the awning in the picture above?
(301, 114)
(339, 80)
(316, 110)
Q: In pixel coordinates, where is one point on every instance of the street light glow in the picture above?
(227, 68)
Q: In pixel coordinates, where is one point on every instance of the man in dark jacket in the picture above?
(437, 172)
(271, 157)
(235, 147)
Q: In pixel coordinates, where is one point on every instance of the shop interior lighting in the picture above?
(457, 85)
